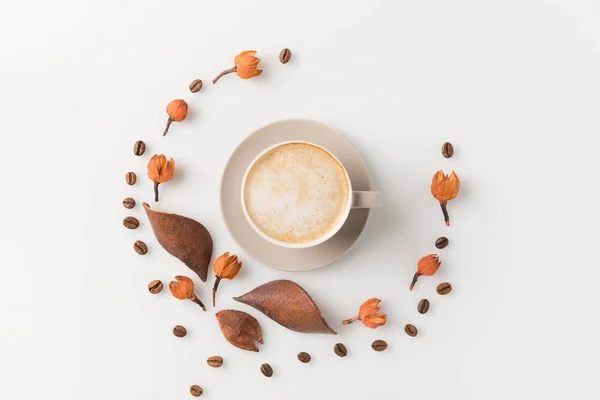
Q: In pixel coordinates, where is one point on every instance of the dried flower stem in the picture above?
(412, 285)
(215, 287)
(169, 122)
(156, 191)
(349, 321)
(222, 74)
(197, 301)
(443, 204)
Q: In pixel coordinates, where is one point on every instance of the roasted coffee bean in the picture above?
(131, 222)
(285, 56)
(195, 86)
(423, 306)
(155, 287)
(140, 247)
(130, 178)
(215, 361)
(411, 330)
(179, 331)
(196, 391)
(379, 345)
(304, 357)
(447, 150)
(139, 148)
(444, 288)
(266, 370)
(441, 242)
(128, 202)
(340, 350)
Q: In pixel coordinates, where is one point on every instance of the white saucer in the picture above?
(249, 241)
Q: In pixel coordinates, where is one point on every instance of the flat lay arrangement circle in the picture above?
(305, 194)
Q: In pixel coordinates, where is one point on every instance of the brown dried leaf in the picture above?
(286, 303)
(184, 238)
(240, 329)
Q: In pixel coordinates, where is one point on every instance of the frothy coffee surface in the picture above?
(296, 193)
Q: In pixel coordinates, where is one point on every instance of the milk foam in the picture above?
(296, 193)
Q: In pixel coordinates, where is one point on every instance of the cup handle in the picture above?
(367, 199)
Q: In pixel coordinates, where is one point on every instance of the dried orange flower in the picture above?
(368, 314)
(183, 289)
(370, 306)
(445, 188)
(226, 267)
(245, 66)
(428, 266)
(374, 320)
(160, 171)
(178, 111)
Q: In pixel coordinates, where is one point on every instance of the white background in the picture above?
(514, 84)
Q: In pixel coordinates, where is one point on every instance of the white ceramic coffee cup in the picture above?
(356, 199)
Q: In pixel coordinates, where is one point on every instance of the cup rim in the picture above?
(280, 243)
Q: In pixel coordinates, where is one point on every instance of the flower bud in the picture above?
(226, 267)
(183, 289)
(178, 111)
(160, 171)
(427, 265)
(445, 188)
